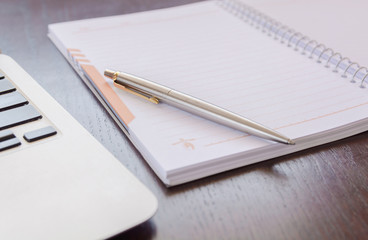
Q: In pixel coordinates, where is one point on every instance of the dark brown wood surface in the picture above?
(320, 193)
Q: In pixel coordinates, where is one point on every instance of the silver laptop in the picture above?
(56, 180)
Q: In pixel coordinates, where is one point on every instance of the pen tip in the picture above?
(290, 142)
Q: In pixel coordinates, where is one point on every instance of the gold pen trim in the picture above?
(134, 91)
(115, 76)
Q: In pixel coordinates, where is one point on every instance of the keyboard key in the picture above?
(11, 100)
(18, 116)
(6, 134)
(39, 134)
(6, 86)
(10, 143)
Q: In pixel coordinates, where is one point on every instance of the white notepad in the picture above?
(225, 53)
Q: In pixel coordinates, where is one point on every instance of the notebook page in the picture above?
(340, 23)
(206, 52)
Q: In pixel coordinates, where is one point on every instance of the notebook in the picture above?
(231, 55)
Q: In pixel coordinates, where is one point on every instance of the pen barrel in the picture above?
(151, 88)
(197, 106)
(219, 115)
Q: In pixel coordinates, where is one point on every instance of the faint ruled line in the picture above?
(128, 24)
(227, 140)
(323, 116)
(291, 124)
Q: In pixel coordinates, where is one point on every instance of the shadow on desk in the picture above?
(146, 230)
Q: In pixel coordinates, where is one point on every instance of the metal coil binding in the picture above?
(299, 40)
(310, 42)
(278, 30)
(283, 33)
(324, 51)
(359, 69)
(362, 82)
(332, 56)
(347, 68)
(295, 34)
(341, 60)
(316, 47)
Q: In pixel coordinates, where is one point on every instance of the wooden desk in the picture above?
(320, 193)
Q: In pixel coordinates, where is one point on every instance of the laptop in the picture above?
(56, 180)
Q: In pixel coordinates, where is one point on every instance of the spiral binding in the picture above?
(297, 40)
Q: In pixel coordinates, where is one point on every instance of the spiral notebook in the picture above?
(226, 53)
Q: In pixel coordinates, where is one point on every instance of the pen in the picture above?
(156, 93)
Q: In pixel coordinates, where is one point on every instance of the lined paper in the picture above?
(206, 52)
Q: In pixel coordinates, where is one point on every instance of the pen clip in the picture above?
(136, 92)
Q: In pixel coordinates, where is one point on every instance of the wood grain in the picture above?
(320, 193)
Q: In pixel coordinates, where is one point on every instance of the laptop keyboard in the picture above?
(15, 112)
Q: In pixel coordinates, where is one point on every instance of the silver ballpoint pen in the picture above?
(156, 93)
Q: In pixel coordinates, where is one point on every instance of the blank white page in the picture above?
(207, 52)
(339, 24)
